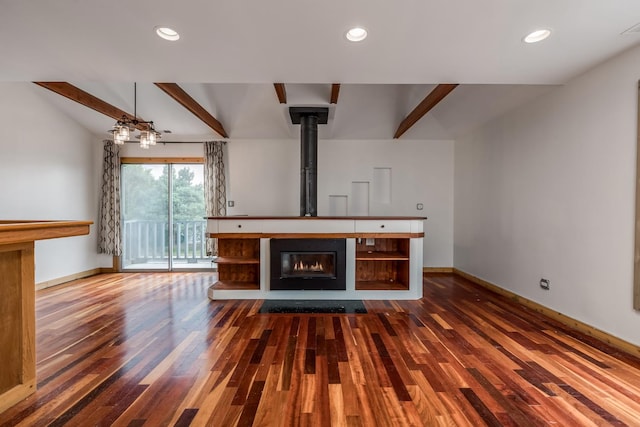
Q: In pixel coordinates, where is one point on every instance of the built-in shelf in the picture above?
(382, 264)
(236, 260)
(380, 286)
(235, 285)
(238, 264)
(380, 256)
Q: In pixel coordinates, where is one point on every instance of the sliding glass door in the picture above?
(163, 217)
(187, 213)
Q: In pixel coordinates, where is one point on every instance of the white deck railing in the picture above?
(146, 241)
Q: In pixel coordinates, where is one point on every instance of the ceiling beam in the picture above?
(184, 99)
(430, 101)
(281, 92)
(335, 92)
(84, 98)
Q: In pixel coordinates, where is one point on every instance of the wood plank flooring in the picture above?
(151, 350)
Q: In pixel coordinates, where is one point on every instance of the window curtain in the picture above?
(215, 193)
(109, 237)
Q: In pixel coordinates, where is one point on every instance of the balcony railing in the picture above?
(146, 241)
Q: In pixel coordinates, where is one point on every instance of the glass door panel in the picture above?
(145, 217)
(188, 224)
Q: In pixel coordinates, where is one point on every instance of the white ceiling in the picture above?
(231, 51)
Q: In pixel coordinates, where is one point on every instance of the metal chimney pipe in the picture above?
(309, 165)
(309, 118)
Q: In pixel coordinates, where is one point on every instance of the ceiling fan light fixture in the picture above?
(537, 36)
(356, 34)
(167, 33)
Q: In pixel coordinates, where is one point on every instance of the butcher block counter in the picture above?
(17, 301)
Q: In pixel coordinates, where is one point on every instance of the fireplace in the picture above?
(305, 265)
(308, 264)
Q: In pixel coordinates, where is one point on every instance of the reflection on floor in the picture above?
(179, 264)
(151, 349)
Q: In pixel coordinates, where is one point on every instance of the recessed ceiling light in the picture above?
(167, 33)
(356, 34)
(537, 36)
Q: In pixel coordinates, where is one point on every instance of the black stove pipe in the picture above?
(309, 165)
(309, 118)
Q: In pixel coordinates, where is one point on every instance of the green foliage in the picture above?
(145, 197)
(188, 198)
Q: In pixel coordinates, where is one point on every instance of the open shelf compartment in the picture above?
(383, 264)
(238, 264)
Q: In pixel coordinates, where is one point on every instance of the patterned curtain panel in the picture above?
(215, 193)
(109, 238)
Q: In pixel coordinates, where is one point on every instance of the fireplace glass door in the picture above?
(308, 265)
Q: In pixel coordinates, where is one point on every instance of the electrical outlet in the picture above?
(419, 206)
(545, 284)
(231, 203)
(370, 242)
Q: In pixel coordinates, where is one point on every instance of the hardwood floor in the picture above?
(150, 349)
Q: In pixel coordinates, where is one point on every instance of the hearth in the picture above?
(308, 264)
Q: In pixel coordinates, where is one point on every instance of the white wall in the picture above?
(421, 172)
(47, 171)
(548, 190)
(263, 178)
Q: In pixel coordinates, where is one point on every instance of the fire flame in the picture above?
(300, 266)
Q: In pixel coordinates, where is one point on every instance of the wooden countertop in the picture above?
(311, 218)
(19, 231)
(17, 293)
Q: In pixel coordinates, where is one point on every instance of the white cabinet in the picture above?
(320, 226)
(231, 225)
(417, 226)
(240, 226)
(383, 226)
(212, 226)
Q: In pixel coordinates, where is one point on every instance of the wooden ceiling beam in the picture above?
(281, 92)
(184, 99)
(76, 94)
(335, 92)
(430, 101)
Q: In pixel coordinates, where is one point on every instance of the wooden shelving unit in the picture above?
(236, 260)
(383, 265)
(238, 264)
